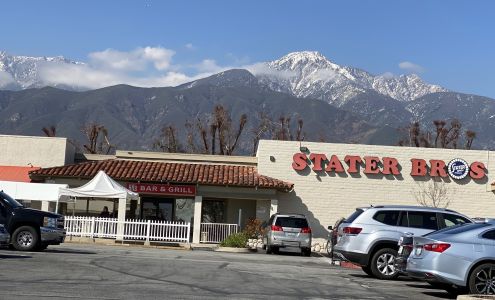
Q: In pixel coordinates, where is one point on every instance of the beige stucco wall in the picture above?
(37, 151)
(325, 197)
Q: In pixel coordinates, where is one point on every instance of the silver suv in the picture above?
(369, 237)
(287, 231)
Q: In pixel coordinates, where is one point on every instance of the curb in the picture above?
(124, 244)
(233, 250)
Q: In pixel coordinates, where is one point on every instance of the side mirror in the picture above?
(330, 228)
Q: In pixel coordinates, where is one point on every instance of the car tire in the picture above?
(480, 279)
(306, 252)
(268, 249)
(275, 250)
(25, 238)
(382, 264)
(367, 270)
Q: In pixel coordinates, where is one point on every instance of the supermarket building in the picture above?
(324, 181)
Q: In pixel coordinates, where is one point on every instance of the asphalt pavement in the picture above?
(80, 271)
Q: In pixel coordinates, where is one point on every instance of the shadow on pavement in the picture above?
(397, 279)
(441, 295)
(68, 251)
(7, 256)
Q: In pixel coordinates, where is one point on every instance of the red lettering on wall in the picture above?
(334, 165)
(353, 162)
(390, 166)
(371, 165)
(418, 167)
(299, 161)
(164, 189)
(437, 168)
(477, 170)
(317, 160)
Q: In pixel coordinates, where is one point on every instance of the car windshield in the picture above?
(11, 201)
(460, 228)
(291, 222)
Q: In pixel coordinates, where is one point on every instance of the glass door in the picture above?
(157, 209)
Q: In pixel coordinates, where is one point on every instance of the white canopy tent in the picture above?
(103, 186)
(46, 192)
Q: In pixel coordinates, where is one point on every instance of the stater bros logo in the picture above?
(458, 168)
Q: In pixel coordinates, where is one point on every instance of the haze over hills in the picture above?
(337, 103)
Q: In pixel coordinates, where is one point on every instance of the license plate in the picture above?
(291, 234)
(400, 250)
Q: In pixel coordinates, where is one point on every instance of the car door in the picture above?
(3, 212)
(422, 222)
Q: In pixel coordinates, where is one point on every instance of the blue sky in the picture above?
(452, 41)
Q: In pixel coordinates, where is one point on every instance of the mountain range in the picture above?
(337, 103)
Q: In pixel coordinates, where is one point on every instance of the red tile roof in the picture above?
(151, 171)
(15, 173)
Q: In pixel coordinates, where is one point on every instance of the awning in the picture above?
(16, 173)
(34, 191)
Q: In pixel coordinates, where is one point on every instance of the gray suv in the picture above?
(369, 237)
(287, 231)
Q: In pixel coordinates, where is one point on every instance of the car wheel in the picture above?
(367, 270)
(268, 249)
(383, 264)
(25, 238)
(329, 249)
(305, 252)
(482, 279)
(275, 250)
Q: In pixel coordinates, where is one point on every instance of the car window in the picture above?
(463, 228)
(354, 216)
(451, 220)
(422, 219)
(489, 235)
(291, 222)
(403, 219)
(389, 217)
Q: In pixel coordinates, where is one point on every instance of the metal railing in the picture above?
(216, 232)
(133, 229)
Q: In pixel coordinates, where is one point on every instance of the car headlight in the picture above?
(49, 222)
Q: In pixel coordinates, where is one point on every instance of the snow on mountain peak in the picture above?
(310, 74)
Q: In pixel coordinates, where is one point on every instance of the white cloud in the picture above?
(210, 66)
(190, 46)
(264, 70)
(411, 67)
(136, 60)
(6, 79)
(387, 75)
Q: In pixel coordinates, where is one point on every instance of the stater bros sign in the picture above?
(456, 168)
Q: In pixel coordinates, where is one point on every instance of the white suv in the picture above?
(370, 235)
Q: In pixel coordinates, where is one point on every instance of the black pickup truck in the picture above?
(30, 229)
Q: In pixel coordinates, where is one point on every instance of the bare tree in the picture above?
(434, 193)
(50, 131)
(97, 139)
(447, 135)
(168, 141)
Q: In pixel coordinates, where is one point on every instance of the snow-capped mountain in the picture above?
(310, 74)
(21, 72)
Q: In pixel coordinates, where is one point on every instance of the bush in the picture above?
(253, 228)
(236, 240)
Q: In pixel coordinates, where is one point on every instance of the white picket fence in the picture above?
(133, 229)
(216, 232)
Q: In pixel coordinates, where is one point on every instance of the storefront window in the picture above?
(213, 211)
(184, 210)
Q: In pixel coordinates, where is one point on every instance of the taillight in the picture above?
(306, 230)
(439, 247)
(352, 230)
(277, 228)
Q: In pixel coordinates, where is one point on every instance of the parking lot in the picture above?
(77, 271)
